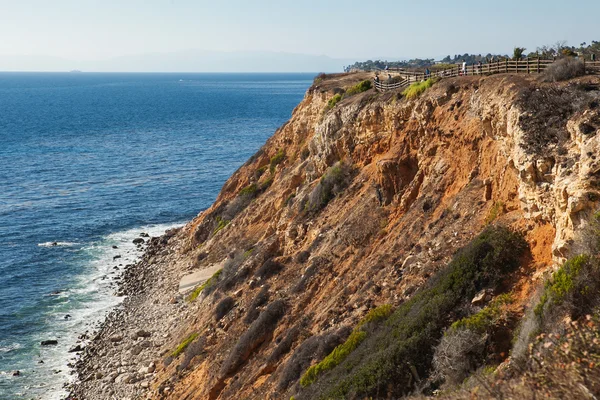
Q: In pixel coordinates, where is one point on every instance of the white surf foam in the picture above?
(86, 302)
(57, 244)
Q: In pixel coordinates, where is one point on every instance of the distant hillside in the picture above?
(183, 61)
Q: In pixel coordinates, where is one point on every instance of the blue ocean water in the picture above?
(89, 161)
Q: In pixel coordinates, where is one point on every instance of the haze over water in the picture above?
(88, 162)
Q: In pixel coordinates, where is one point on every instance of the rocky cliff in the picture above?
(349, 208)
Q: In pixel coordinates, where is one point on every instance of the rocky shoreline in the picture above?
(120, 361)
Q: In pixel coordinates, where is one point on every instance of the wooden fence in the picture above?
(526, 66)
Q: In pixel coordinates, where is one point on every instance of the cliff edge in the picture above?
(364, 228)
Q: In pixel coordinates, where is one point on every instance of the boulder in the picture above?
(481, 298)
(76, 349)
(138, 241)
(116, 338)
(135, 350)
(143, 334)
(49, 342)
(123, 378)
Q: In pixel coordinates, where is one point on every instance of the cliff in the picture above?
(349, 208)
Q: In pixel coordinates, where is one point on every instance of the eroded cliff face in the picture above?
(348, 208)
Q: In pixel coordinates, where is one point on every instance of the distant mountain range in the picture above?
(183, 61)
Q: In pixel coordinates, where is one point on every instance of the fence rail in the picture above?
(526, 66)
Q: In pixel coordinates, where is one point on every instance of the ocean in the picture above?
(88, 162)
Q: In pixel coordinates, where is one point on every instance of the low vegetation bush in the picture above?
(260, 171)
(546, 110)
(497, 210)
(183, 345)
(563, 69)
(320, 78)
(572, 290)
(463, 347)
(304, 153)
(313, 348)
(417, 88)
(286, 343)
(276, 160)
(351, 91)
(233, 271)
(206, 285)
(260, 331)
(589, 238)
(268, 269)
(223, 307)
(390, 361)
(558, 366)
(459, 353)
(359, 88)
(249, 190)
(192, 350)
(333, 101)
(317, 264)
(483, 320)
(333, 182)
(260, 300)
(221, 224)
(342, 351)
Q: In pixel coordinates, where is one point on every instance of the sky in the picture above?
(87, 30)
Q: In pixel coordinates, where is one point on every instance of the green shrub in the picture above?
(482, 321)
(334, 358)
(333, 181)
(206, 285)
(184, 344)
(314, 348)
(377, 314)
(359, 88)
(417, 88)
(266, 184)
(259, 172)
(249, 190)
(222, 223)
(333, 101)
(389, 359)
(497, 210)
(276, 160)
(343, 350)
(563, 283)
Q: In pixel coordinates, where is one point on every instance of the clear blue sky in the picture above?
(90, 29)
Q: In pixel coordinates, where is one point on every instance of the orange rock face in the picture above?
(359, 205)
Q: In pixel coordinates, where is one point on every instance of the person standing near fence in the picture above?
(464, 68)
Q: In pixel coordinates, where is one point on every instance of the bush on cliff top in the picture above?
(563, 69)
(359, 88)
(417, 88)
(400, 352)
